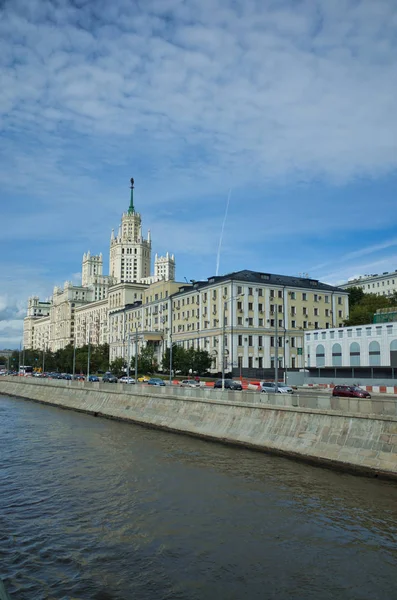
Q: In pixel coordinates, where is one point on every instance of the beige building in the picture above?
(142, 322)
(80, 313)
(239, 318)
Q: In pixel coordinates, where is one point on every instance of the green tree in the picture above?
(363, 311)
(146, 361)
(356, 295)
(117, 366)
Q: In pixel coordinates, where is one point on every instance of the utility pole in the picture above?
(136, 354)
(43, 356)
(88, 354)
(74, 359)
(170, 311)
(223, 343)
(276, 353)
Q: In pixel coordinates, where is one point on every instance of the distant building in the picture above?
(384, 284)
(78, 313)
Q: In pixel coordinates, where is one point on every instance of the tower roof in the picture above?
(131, 208)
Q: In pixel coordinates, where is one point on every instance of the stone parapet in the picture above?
(342, 435)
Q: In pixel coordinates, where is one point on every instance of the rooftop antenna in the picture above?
(223, 227)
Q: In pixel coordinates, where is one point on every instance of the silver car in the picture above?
(189, 383)
(269, 387)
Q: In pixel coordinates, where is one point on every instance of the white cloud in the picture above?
(193, 98)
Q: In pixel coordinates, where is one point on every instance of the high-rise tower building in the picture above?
(130, 254)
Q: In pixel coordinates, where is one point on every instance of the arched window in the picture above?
(393, 353)
(320, 356)
(336, 355)
(374, 354)
(354, 354)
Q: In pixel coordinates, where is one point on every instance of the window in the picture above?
(327, 312)
(225, 291)
(249, 291)
(293, 296)
(250, 362)
(293, 324)
(280, 342)
(326, 299)
(323, 335)
(250, 340)
(280, 323)
(354, 354)
(336, 355)
(280, 308)
(260, 340)
(260, 292)
(315, 298)
(320, 355)
(260, 362)
(358, 332)
(260, 307)
(272, 308)
(272, 342)
(304, 296)
(339, 300)
(292, 342)
(250, 321)
(368, 331)
(260, 322)
(374, 354)
(250, 306)
(349, 333)
(239, 289)
(280, 293)
(316, 312)
(340, 314)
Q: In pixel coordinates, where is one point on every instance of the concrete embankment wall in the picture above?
(338, 437)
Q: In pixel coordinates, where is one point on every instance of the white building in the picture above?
(359, 345)
(384, 284)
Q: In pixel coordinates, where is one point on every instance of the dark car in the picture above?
(109, 378)
(350, 391)
(229, 384)
(155, 381)
(93, 378)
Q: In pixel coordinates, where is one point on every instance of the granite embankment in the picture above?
(352, 435)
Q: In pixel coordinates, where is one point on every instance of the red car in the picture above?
(350, 391)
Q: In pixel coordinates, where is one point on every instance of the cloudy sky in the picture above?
(289, 107)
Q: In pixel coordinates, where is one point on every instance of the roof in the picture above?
(257, 277)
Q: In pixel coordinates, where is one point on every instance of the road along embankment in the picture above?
(340, 437)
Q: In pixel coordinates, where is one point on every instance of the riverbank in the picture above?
(346, 439)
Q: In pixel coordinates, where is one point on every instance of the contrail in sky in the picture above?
(223, 227)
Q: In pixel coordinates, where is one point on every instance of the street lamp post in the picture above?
(224, 333)
(136, 354)
(88, 353)
(74, 359)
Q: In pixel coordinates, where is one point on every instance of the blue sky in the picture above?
(289, 105)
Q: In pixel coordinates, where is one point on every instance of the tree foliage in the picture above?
(187, 361)
(61, 361)
(364, 306)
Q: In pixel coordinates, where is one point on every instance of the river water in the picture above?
(96, 509)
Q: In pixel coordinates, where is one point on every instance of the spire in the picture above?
(112, 236)
(131, 209)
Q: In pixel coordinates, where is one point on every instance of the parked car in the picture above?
(350, 391)
(155, 381)
(143, 379)
(269, 387)
(93, 378)
(79, 377)
(229, 384)
(189, 383)
(126, 379)
(109, 378)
